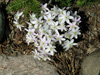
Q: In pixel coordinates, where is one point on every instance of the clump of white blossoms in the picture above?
(44, 31)
(16, 18)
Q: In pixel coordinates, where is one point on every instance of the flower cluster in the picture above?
(46, 30)
(16, 18)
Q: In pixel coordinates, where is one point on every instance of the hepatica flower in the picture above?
(16, 18)
(75, 32)
(51, 49)
(19, 26)
(62, 27)
(65, 17)
(59, 38)
(36, 54)
(45, 57)
(44, 7)
(42, 31)
(67, 35)
(54, 11)
(72, 25)
(30, 31)
(53, 26)
(43, 42)
(36, 22)
(49, 19)
(30, 25)
(30, 39)
(32, 17)
(17, 15)
(60, 11)
(68, 44)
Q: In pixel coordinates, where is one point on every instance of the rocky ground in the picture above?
(65, 63)
(25, 65)
(90, 64)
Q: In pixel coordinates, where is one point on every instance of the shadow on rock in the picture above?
(84, 23)
(6, 29)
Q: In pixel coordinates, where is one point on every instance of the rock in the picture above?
(6, 1)
(91, 64)
(2, 24)
(1, 1)
(25, 65)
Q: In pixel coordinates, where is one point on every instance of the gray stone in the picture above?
(2, 24)
(91, 64)
(6, 1)
(25, 65)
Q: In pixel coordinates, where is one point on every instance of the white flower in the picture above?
(60, 19)
(62, 27)
(36, 44)
(47, 29)
(30, 25)
(44, 51)
(72, 25)
(17, 15)
(45, 57)
(77, 19)
(60, 11)
(32, 16)
(68, 8)
(38, 35)
(42, 31)
(37, 22)
(54, 11)
(40, 47)
(75, 32)
(59, 38)
(44, 7)
(44, 54)
(30, 39)
(19, 26)
(36, 54)
(49, 38)
(68, 44)
(51, 49)
(43, 42)
(75, 14)
(43, 14)
(65, 17)
(30, 31)
(49, 19)
(67, 35)
(55, 26)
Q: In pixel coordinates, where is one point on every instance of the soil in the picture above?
(14, 43)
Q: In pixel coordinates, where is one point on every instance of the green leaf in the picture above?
(27, 5)
(16, 5)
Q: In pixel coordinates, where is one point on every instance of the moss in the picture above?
(27, 5)
(34, 5)
(65, 3)
(88, 2)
